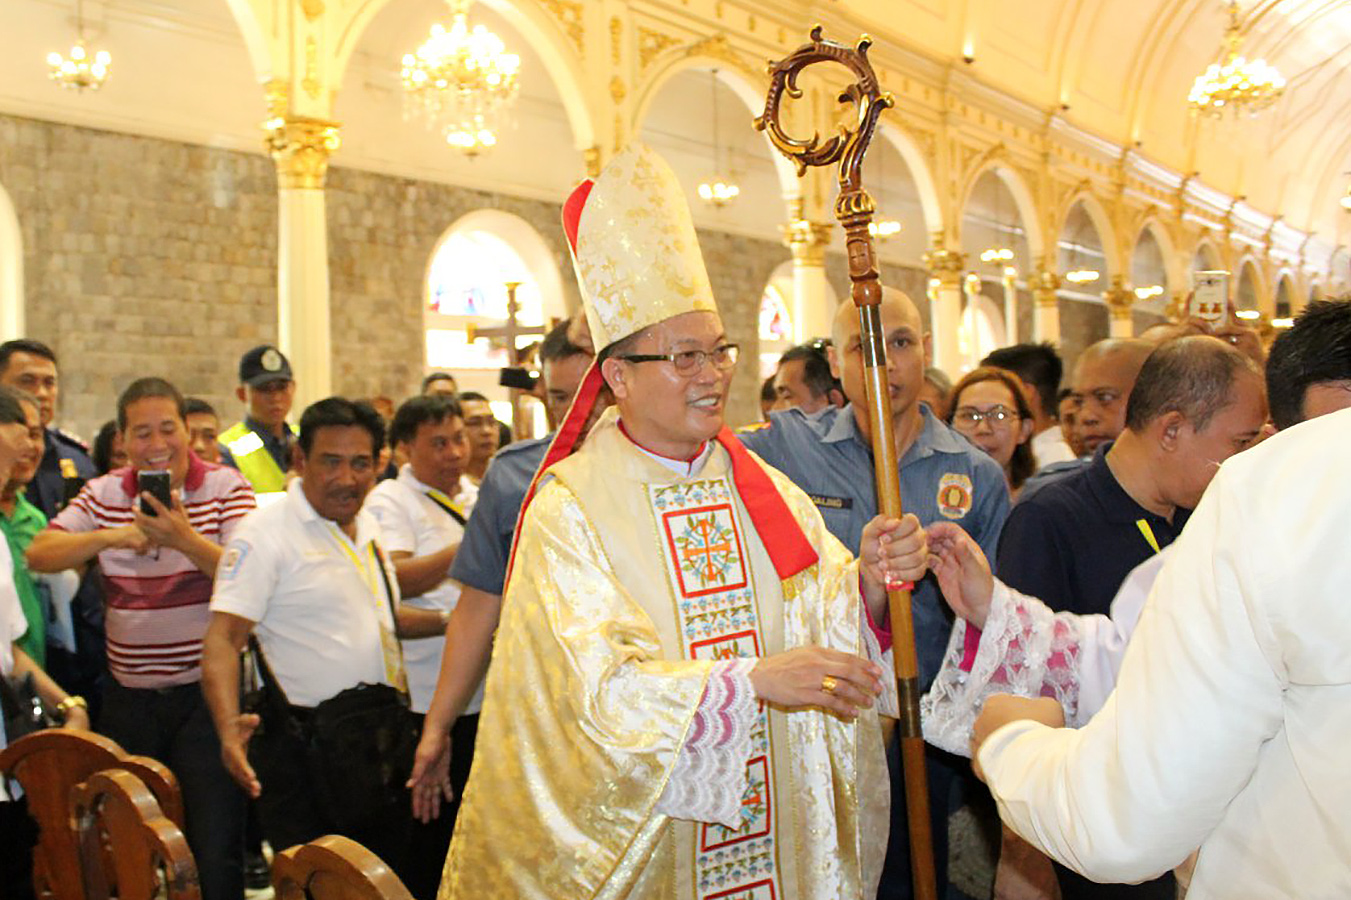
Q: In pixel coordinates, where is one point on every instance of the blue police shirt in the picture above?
(481, 561)
(1073, 542)
(64, 460)
(943, 478)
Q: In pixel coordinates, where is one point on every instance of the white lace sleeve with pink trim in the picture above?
(709, 777)
(1026, 649)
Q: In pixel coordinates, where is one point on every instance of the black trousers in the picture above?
(174, 726)
(429, 843)
(292, 815)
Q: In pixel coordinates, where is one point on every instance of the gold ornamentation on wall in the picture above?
(617, 91)
(1119, 300)
(948, 266)
(312, 9)
(300, 147)
(277, 94)
(616, 38)
(1044, 285)
(807, 240)
(591, 160)
(569, 15)
(311, 81)
(651, 44)
(718, 47)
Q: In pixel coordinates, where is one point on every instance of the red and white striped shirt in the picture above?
(157, 603)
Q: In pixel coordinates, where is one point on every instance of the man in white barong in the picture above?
(681, 697)
(1026, 649)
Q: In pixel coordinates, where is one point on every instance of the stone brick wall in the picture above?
(145, 256)
(141, 256)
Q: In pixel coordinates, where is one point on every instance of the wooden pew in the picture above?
(334, 868)
(128, 847)
(48, 765)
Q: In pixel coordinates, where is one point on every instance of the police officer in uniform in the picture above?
(260, 446)
(943, 478)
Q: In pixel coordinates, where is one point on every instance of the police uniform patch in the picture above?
(231, 560)
(68, 469)
(954, 495)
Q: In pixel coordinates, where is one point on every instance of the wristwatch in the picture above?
(445, 617)
(72, 701)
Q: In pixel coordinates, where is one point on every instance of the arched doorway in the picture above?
(466, 291)
(1248, 292)
(776, 322)
(1149, 276)
(998, 253)
(1083, 263)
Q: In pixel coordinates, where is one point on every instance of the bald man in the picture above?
(943, 478)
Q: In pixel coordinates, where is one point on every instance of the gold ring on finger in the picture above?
(829, 683)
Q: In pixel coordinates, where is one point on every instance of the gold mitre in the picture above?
(634, 248)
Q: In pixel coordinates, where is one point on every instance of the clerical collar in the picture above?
(685, 468)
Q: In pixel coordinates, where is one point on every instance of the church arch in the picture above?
(1023, 201)
(921, 173)
(535, 26)
(1102, 226)
(255, 38)
(731, 74)
(11, 270)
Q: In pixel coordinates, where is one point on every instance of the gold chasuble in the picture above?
(629, 582)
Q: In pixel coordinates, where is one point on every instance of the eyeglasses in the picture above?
(997, 416)
(687, 362)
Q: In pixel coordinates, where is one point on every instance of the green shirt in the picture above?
(20, 529)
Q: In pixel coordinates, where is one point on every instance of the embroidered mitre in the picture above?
(634, 248)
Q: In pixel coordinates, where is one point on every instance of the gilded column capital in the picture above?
(948, 266)
(1044, 285)
(300, 147)
(808, 240)
(1120, 301)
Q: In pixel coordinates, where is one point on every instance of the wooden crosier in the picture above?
(854, 209)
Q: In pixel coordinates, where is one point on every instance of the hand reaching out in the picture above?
(962, 571)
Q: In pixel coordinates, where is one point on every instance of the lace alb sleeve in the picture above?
(1026, 649)
(709, 777)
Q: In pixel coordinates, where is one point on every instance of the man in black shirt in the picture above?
(1197, 402)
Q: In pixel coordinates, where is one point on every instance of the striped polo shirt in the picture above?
(157, 603)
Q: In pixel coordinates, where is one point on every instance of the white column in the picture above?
(945, 309)
(301, 147)
(813, 312)
(1046, 306)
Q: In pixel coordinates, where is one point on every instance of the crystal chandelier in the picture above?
(79, 69)
(460, 81)
(717, 190)
(1238, 84)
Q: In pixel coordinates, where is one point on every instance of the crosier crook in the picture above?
(854, 209)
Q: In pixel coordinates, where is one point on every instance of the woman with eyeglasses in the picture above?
(990, 410)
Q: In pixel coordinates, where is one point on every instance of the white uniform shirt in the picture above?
(1231, 717)
(1049, 447)
(286, 569)
(412, 522)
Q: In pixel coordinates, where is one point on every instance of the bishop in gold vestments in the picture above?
(622, 752)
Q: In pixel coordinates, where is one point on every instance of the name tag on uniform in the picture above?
(825, 502)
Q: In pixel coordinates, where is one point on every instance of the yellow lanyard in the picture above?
(445, 502)
(390, 649)
(1148, 533)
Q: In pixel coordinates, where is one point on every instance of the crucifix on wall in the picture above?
(505, 336)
